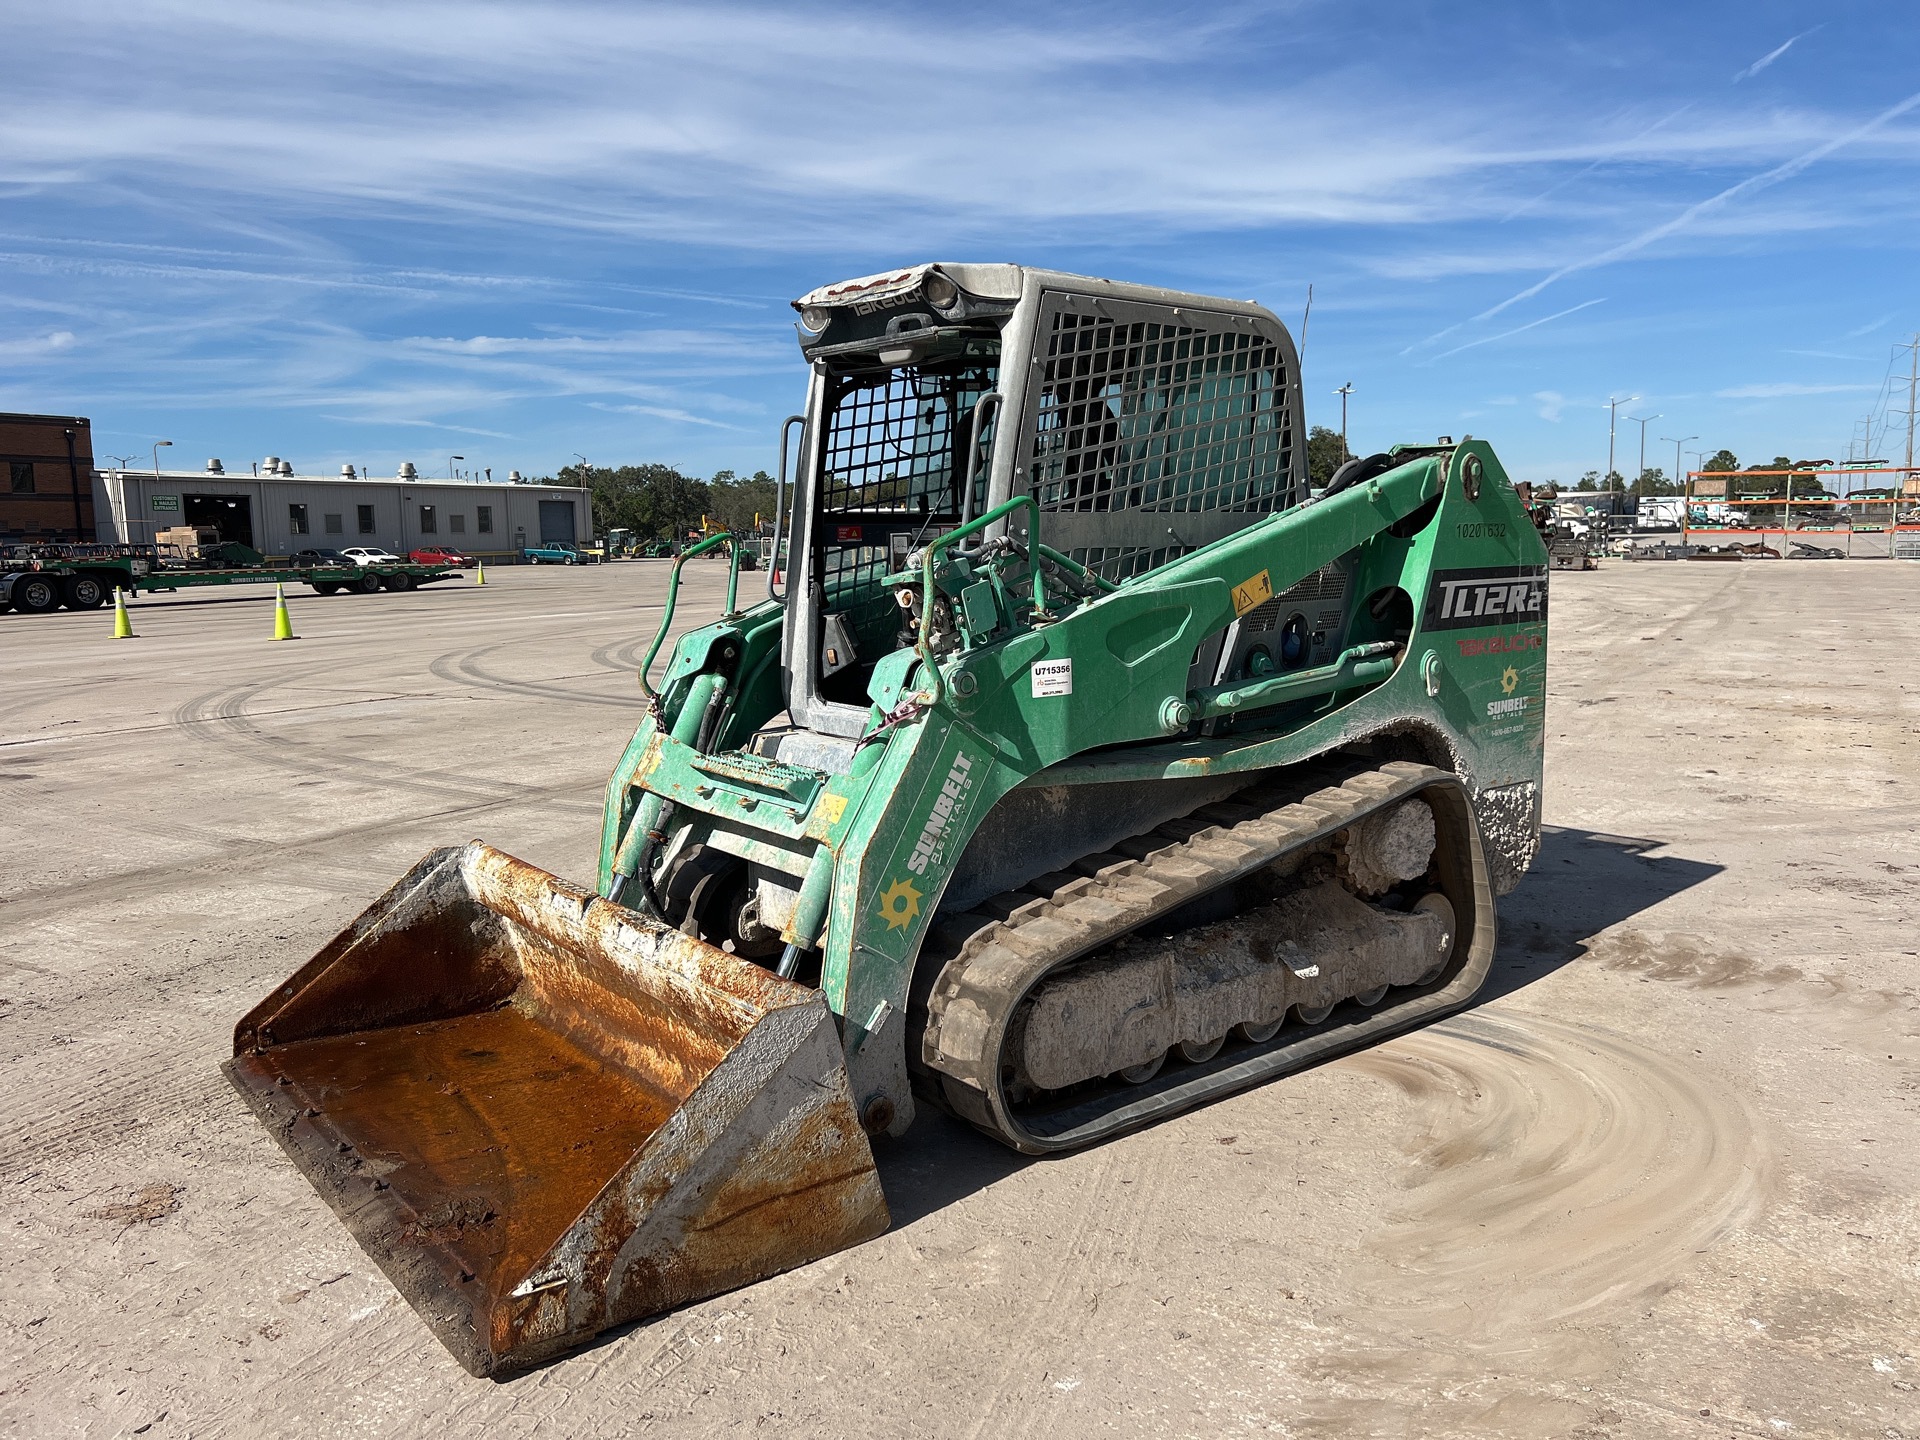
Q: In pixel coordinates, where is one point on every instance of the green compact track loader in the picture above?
(1078, 767)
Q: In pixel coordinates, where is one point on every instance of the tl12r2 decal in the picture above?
(1489, 595)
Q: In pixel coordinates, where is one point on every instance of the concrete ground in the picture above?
(1659, 1182)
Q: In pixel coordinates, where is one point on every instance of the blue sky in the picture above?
(360, 233)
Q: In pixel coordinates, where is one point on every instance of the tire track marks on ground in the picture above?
(1590, 1163)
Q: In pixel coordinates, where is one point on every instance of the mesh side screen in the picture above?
(1121, 562)
(1154, 415)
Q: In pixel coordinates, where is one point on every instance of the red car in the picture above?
(440, 555)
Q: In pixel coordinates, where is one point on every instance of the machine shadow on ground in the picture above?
(1581, 883)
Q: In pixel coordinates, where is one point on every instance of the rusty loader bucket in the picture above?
(544, 1115)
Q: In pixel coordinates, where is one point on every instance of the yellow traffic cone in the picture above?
(122, 622)
(479, 572)
(282, 622)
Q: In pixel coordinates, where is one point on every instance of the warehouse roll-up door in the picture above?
(231, 515)
(556, 520)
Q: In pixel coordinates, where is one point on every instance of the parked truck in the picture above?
(558, 552)
(36, 580)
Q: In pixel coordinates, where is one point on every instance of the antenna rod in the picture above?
(1305, 316)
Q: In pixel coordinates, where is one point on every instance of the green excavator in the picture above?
(1079, 766)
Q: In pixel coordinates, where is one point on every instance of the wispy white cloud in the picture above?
(385, 420)
(759, 127)
(52, 343)
(1870, 326)
(1784, 388)
(702, 343)
(662, 412)
(1552, 403)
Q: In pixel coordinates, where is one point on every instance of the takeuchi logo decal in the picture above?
(1509, 644)
(1490, 595)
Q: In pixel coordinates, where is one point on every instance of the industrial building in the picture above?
(48, 489)
(278, 512)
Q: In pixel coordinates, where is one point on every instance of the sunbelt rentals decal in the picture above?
(1512, 704)
(931, 846)
(900, 901)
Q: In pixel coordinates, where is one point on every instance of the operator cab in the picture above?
(905, 364)
(1143, 423)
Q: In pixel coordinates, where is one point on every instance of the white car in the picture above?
(364, 555)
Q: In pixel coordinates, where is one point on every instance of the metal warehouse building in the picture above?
(278, 512)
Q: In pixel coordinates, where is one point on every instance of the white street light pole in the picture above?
(156, 456)
(1343, 392)
(1612, 407)
(1642, 423)
(1676, 455)
(450, 460)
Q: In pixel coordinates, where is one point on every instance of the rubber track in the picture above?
(988, 959)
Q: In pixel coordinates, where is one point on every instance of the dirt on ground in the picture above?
(1658, 1181)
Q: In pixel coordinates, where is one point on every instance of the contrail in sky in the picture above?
(1527, 205)
(1488, 340)
(1771, 56)
(1786, 170)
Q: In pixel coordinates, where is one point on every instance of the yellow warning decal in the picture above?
(832, 807)
(1250, 593)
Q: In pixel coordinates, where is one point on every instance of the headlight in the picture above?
(941, 292)
(815, 317)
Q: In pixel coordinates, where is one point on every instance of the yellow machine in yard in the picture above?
(1085, 769)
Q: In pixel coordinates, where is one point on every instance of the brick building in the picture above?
(46, 490)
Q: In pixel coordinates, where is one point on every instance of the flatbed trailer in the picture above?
(85, 582)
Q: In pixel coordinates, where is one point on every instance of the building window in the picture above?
(457, 523)
(297, 519)
(334, 527)
(485, 517)
(428, 523)
(21, 472)
(366, 519)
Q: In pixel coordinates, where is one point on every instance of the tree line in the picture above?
(1654, 481)
(659, 502)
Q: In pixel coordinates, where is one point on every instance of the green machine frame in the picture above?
(1440, 534)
